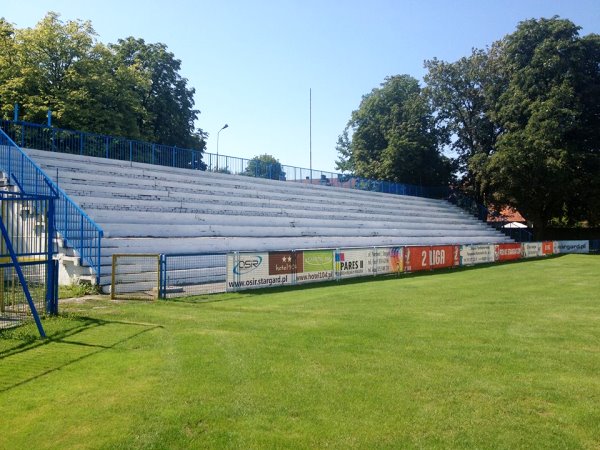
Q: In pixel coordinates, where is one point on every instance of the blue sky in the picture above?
(252, 63)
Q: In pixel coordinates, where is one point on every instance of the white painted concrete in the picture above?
(154, 209)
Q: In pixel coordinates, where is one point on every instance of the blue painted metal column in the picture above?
(51, 298)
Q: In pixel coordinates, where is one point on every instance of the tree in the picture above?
(130, 89)
(345, 163)
(8, 66)
(547, 159)
(394, 137)
(462, 94)
(167, 115)
(265, 166)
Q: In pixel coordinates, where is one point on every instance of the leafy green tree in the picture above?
(167, 115)
(264, 166)
(8, 66)
(130, 89)
(345, 162)
(547, 159)
(60, 66)
(462, 94)
(394, 136)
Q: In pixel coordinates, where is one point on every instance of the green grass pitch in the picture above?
(504, 356)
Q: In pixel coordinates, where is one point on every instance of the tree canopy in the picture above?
(264, 166)
(522, 118)
(394, 137)
(130, 88)
(547, 159)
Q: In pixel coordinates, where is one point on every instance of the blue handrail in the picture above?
(41, 137)
(77, 229)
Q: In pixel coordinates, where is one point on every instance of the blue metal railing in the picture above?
(41, 137)
(77, 229)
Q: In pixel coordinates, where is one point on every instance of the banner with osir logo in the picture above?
(259, 270)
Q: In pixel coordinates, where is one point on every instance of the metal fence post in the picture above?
(51, 300)
(98, 254)
(81, 239)
(162, 276)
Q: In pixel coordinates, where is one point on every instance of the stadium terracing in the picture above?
(140, 208)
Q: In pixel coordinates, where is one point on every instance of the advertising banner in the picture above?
(476, 254)
(317, 265)
(416, 258)
(571, 246)
(532, 249)
(508, 252)
(354, 262)
(387, 260)
(547, 247)
(285, 263)
(431, 257)
(257, 270)
(444, 256)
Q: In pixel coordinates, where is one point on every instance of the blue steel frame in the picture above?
(43, 137)
(51, 298)
(77, 229)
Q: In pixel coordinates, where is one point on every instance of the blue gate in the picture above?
(28, 272)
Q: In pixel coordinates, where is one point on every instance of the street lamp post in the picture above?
(219, 132)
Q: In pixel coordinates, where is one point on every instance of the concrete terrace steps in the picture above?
(154, 230)
(139, 201)
(236, 198)
(225, 244)
(160, 174)
(83, 188)
(155, 209)
(111, 216)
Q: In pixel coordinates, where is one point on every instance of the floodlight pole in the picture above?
(219, 132)
(310, 131)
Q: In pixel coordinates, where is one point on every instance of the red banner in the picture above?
(416, 258)
(444, 256)
(508, 252)
(547, 247)
(431, 257)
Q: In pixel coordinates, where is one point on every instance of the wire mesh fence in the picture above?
(135, 276)
(193, 274)
(14, 308)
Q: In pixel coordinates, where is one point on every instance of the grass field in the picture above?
(504, 356)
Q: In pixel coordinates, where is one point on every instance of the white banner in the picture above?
(571, 246)
(476, 254)
(351, 263)
(251, 271)
(532, 249)
(387, 260)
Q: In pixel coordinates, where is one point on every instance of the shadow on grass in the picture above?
(68, 336)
